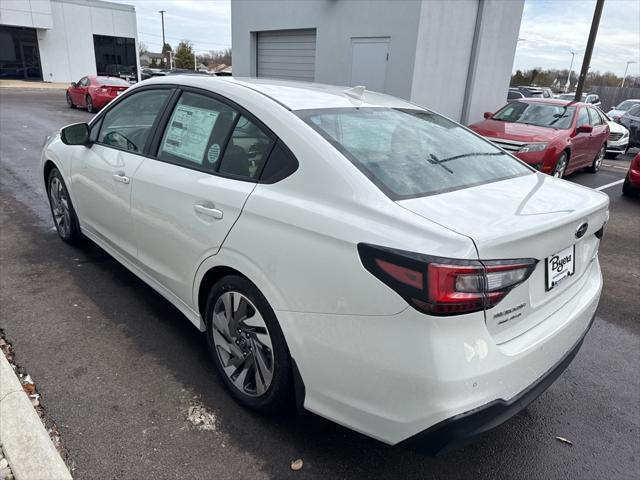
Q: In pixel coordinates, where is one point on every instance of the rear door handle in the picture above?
(211, 211)
(121, 177)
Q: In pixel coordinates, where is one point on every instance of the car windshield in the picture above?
(112, 81)
(412, 153)
(540, 114)
(627, 104)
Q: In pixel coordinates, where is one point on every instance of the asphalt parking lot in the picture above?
(119, 367)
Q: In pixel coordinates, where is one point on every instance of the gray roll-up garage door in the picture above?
(287, 54)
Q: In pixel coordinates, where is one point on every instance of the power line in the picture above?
(179, 39)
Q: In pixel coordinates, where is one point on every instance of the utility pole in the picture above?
(625, 73)
(195, 62)
(162, 12)
(590, 43)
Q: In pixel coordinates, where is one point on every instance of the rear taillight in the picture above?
(441, 286)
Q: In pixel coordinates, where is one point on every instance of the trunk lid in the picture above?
(533, 216)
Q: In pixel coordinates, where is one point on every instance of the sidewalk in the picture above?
(27, 452)
(32, 85)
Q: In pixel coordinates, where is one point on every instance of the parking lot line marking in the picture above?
(614, 166)
(617, 182)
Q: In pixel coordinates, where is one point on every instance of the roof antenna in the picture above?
(356, 92)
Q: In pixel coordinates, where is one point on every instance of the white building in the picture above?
(63, 40)
(454, 57)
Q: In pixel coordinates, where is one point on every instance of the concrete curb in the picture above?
(24, 85)
(24, 440)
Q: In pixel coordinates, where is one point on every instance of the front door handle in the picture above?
(209, 211)
(121, 177)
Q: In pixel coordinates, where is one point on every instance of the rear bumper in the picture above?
(459, 429)
(392, 377)
(100, 100)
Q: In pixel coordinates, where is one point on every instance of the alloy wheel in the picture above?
(89, 105)
(243, 343)
(597, 163)
(561, 166)
(60, 207)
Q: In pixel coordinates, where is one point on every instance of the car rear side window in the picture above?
(127, 125)
(196, 133)
(583, 117)
(412, 153)
(595, 118)
(247, 150)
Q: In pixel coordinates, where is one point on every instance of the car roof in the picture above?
(554, 101)
(294, 95)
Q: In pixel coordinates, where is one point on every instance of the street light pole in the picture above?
(590, 43)
(162, 12)
(568, 85)
(625, 72)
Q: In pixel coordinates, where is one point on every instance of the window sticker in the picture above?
(188, 133)
(213, 153)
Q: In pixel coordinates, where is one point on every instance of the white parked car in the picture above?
(618, 141)
(385, 266)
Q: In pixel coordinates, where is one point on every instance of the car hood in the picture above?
(514, 131)
(514, 218)
(616, 113)
(617, 128)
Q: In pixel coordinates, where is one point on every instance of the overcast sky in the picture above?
(549, 30)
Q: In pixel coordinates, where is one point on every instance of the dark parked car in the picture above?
(631, 185)
(631, 120)
(553, 136)
(529, 92)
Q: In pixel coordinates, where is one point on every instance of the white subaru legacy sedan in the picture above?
(379, 264)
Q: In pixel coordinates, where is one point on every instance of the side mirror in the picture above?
(74, 84)
(75, 134)
(584, 129)
(488, 115)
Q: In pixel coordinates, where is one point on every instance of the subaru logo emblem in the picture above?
(582, 229)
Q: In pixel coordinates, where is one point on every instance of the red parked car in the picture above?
(631, 185)
(554, 136)
(94, 92)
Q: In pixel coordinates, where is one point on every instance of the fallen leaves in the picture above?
(201, 418)
(564, 440)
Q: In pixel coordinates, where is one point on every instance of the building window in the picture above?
(115, 56)
(19, 54)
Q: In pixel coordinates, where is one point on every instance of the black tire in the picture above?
(70, 101)
(279, 392)
(89, 104)
(66, 223)
(561, 165)
(597, 161)
(628, 189)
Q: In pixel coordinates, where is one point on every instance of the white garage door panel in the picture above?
(288, 54)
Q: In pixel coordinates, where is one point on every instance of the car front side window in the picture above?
(127, 125)
(583, 117)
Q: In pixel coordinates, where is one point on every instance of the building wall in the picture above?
(497, 38)
(66, 50)
(336, 22)
(26, 13)
(443, 52)
(453, 57)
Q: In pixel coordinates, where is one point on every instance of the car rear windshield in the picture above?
(540, 114)
(117, 82)
(412, 153)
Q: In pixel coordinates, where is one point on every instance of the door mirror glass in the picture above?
(585, 129)
(74, 84)
(488, 115)
(76, 134)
